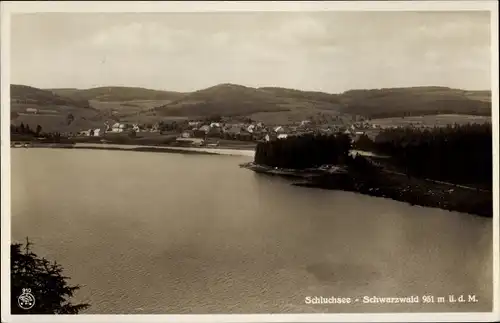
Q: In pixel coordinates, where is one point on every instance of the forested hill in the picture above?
(230, 99)
(117, 94)
(237, 100)
(27, 95)
(416, 101)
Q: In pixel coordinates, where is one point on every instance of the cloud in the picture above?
(328, 51)
(133, 37)
(300, 32)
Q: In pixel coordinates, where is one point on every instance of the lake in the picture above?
(168, 233)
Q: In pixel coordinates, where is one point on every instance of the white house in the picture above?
(32, 110)
(117, 127)
(282, 136)
(215, 125)
(155, 128)
(279, 129)
(97, 132)
(120, 127)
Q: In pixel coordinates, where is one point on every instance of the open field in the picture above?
(92, 107)
(125, 107)
(296, 115)
(416, 101)
(237, 100)
(432, 120)
(58, 122)
(116, 93)
(149, 118)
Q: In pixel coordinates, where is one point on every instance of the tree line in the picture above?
(304, 151)
(25, 131)
(461, 154)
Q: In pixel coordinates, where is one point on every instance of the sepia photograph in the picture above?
(240, 158)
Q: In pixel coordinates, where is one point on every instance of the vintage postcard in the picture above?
(249, 161)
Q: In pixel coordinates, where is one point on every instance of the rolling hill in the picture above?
(229, 99)
(117, 94)
(415, 101)
(31, 96)
(223, 99)
(35, 106)
(237, 100)
(311, 96)
(268, 104)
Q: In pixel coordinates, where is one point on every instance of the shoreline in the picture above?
(386, 184)
(221, 151)
(294, 173)
(411, 190)
(231, 150)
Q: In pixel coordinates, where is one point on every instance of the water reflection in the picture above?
(172, 233)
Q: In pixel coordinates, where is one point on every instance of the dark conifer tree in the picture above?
(46, 282)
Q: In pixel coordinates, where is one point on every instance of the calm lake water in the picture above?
(169, 233)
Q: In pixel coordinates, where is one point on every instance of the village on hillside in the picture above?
(197, 132)
(234, 131)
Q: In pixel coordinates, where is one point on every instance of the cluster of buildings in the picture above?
(117, 127)
(242, 131)
(261, 132)
(196, 132)
(251, 131)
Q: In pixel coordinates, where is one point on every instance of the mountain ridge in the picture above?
(117, 93)
(230, 99)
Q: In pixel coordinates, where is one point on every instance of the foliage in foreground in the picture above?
(46, 281)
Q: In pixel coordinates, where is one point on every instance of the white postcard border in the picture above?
(12, 7)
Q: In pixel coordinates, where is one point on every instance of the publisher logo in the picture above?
(26, 300)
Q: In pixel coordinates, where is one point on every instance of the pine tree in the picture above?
(46, 281)
(38, 130)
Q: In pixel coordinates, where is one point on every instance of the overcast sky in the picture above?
(326, 51)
